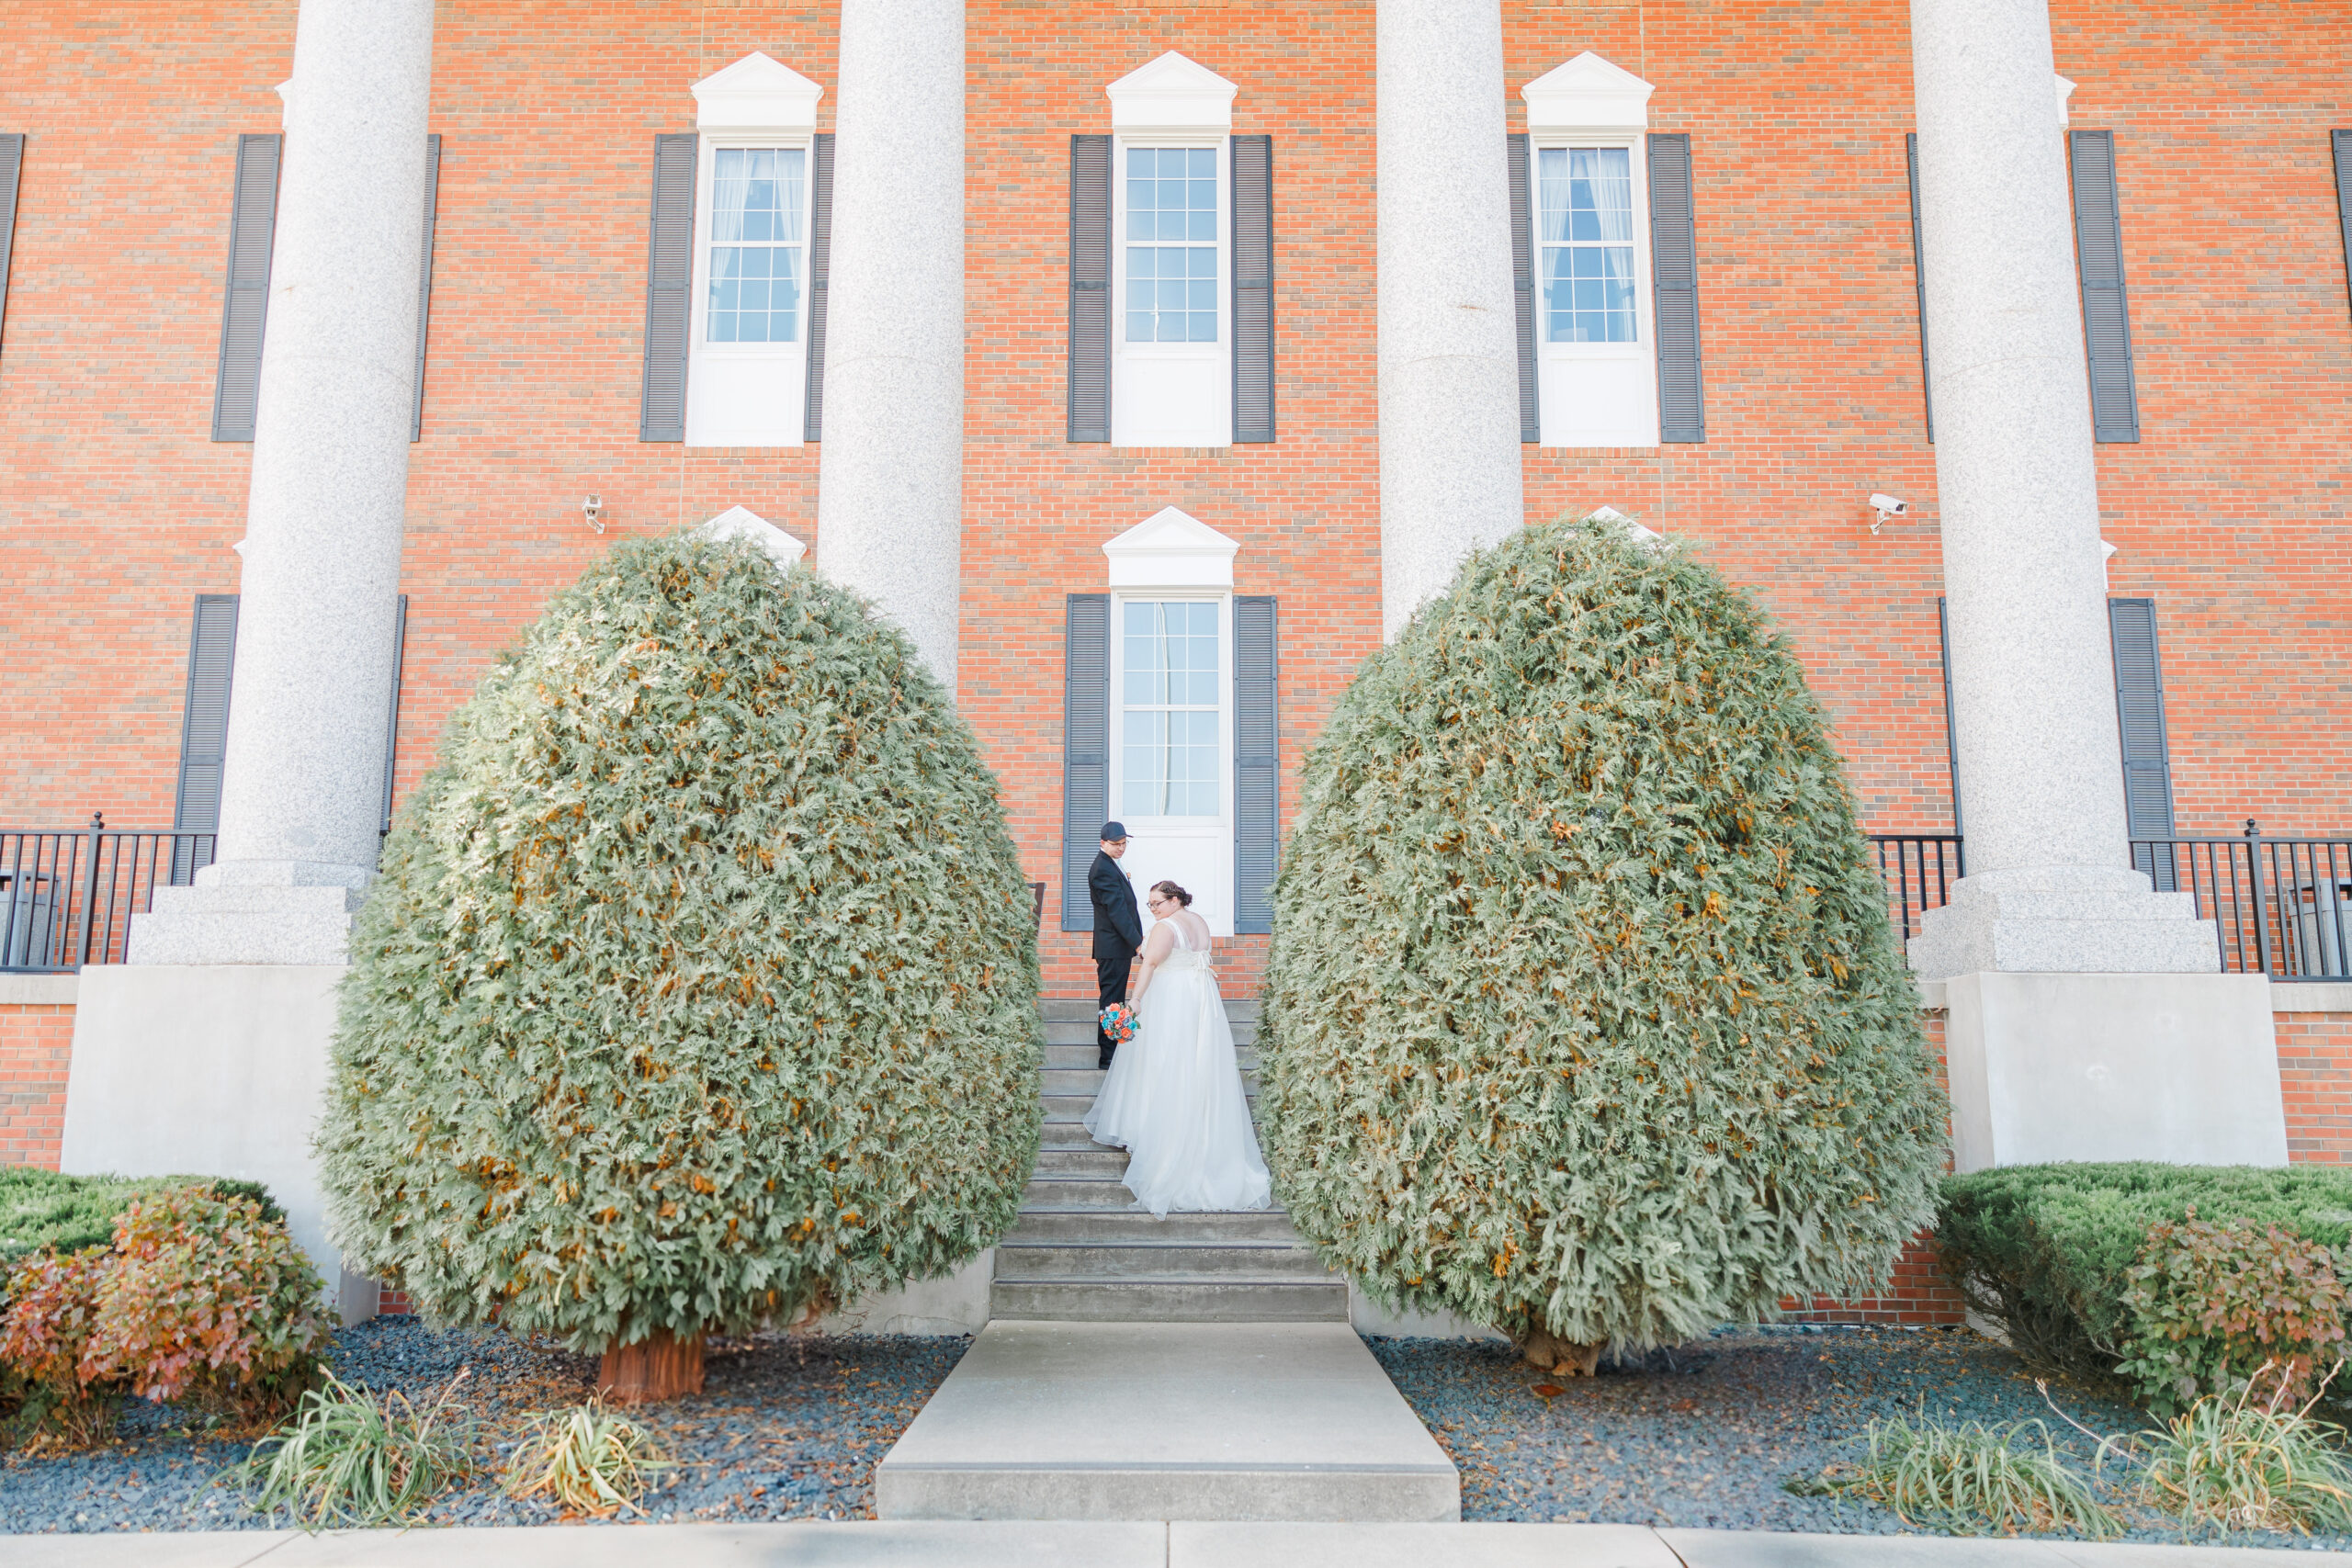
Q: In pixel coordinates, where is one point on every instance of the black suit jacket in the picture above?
(1118, 928)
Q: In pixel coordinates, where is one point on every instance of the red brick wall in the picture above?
(118, 510)
(2315, 1076)
(36, 1043)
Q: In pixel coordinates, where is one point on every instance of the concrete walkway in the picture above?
(1089, 1545)
(1109, 1421)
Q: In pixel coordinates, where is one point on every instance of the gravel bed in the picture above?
(785, 1428)
(1703, 1436)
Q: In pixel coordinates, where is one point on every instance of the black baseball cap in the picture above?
(1113, 832)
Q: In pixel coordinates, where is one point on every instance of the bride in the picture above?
(1173, 1098)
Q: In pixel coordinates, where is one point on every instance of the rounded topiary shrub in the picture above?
(699, 986)
(1584, 1017)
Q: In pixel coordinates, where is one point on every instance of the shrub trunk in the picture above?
(655, 1368)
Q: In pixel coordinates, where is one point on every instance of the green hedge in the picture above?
(43, 1209)
(2047, 1249)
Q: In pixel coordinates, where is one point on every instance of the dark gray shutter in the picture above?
(1257, 766)
(2106, 316)
(1523, 286)
(392, 724)
(669, 283)
(1952, 725)
(1919, 278)
(1674, 266)
(1253, 289)
(204, 729)
(2340, 139)
(2140, 715)
(821, 278)
(12, 164)
(1090, 296)
(253, 217)
(424, 275)
(1086, 749)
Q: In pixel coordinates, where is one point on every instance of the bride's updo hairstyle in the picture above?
(1169, 890)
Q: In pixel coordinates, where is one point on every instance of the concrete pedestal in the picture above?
(2182, 1068)
(210, 1070)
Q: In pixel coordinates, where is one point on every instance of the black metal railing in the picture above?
(1918, 870)
(67, 894)
(2280, 906)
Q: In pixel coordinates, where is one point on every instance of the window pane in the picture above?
(1171, 195)
(1585, 222)
(755, 231)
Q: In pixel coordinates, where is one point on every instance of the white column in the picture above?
(302, 792)
(2085, 1020)
(2050, 883)
(891, 468)
(1449, 346)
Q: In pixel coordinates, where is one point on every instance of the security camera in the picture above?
(1887, 506)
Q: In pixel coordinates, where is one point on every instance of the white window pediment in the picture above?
(1171, 93)
(757, 94)
(1587, 93)
(1172, 549)
(1648, 539)
(742, 523)
(2065, 91)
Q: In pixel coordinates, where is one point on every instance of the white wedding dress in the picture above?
(1173, 1098)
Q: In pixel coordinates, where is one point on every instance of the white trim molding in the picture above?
(1172, 549)
(1588, 94)
(1171, 93)
(1648, 539)
(757, 94)
(2065, 91)
(742, 523)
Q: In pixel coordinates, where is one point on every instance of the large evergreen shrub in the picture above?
(699, 987)
(1584, 1016)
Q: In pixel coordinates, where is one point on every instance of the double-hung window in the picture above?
(748, 311)
(1585, 202)
(1596, 328)
(1171, 708)
(1171, 262)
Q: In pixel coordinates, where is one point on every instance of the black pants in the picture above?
(1110, 989)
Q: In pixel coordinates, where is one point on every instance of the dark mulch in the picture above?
(1702, 1437)
(785, 1428)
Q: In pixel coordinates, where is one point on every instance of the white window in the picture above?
(748, 367)
(1596, 349)
(759, 217)
(1584, 199)
(1172, 372)
(1172, 707)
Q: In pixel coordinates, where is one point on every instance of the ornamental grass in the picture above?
(351, 1457)
(1968, 1477)
(1584, 1017)
(588, 1459)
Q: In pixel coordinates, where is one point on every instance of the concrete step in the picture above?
(1093, 1159)
(1081, 1032)
(1043, 1224)
(1168, 1421)
(1148, 1260)
(1081, 1009)
(1204, 1298)
(1088, 1080)
(1082, 1055)
(1087, 1191)
(1074, 1106)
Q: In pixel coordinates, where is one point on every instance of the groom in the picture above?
(1118, 932)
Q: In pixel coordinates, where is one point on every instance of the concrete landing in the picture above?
(1248, 1421)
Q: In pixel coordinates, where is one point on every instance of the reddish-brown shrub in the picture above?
(206, 1297)
(2211, 1305)
(52, 1310)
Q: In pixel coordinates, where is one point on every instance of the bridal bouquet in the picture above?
(1119, 1021)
